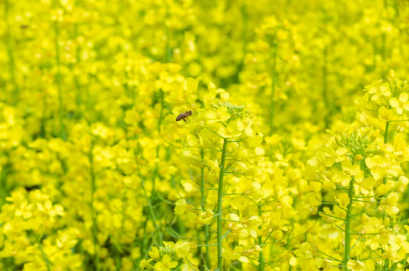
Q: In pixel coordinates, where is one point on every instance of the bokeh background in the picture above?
(91, 158)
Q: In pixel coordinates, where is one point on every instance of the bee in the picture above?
(184, 116)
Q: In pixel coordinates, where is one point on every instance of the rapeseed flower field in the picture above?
(204, 135)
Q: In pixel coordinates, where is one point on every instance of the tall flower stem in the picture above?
(220, 209)
(273, 89)
(155, 221)
(10, 53)
(3, 183)
(348, 224)
(168, 52)
(45, 258)
(385, 140)
(385, 137)
(260, 242)
(153, 215)
(58, 77)
(202, 184)
(94, 227)
(325, 87)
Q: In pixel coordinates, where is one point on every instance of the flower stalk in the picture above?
(273, 89)
(45, 258)
(202, 189)
(220, 208)
(10, 54)
(348, 224)
(260, 242)
(94, 227)
(58, 77)
(384, 178)
(325, 87)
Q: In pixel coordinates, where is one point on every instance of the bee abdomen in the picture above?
(184, 116)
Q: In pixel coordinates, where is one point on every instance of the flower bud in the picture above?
(358, 157)
(391, 75)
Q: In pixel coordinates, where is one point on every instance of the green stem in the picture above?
(220, 209)
(324, 87)
(260, 242)
(4, 171)
(371, 233)
(10, 53)
(240, 66)
(207, 245)
(230, 220)
(398, 120)
(94, 227)
(153, 215)
(233, 194)
(245, 16)
(150, 206)
(162, 94)
(385, 140)
(383, 53)
(58, 77)
(77, 77)
(385, 137)
(224, 235)
(273, 90)
(212, 230)
(348, 224)
(168, 53)
(202, 184)
(334, 259)
(331, 216)
(45, 258)
(268, 236)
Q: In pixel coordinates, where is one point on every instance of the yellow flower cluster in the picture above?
(204, 135)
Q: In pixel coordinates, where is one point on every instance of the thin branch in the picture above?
(335, 259)
(332, 216)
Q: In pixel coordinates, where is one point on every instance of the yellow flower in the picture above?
(385, 114)
(401, 103)
(182, 249)
(154, 253)
(204, 218)
(378, 89)
(329, 230)
(348, 167)
(240, 154)
(166, 264)
(354, 265)
(182, 207)
(252, 222)
(190, 186)
(335, 156)
(145, 264)
(213, 166)
(231, 131)
(231, 255)
(381, 166)
(254, 191)
(343, 200)
(389, 205)
(218, 115)
(348, 170)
